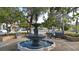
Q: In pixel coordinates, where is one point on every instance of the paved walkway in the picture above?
(64, 45)
(61, 45)
(10, 45)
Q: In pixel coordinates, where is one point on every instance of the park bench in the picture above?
(55, 34)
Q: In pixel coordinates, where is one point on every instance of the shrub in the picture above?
(72, 34)
(66, 27)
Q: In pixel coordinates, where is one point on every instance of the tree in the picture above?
(75, 18)
(33, 13)
(10, 15)
(61, 15)
(50, 22)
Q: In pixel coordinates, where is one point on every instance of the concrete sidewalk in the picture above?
(64, 45)
(10, 45)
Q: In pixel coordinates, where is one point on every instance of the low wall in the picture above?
(10, 37)
(7, 38)
(21, 36)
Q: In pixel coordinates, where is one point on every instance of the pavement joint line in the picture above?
(67, 44)
(70, 46)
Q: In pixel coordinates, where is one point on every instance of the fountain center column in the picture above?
(35, 40)
(35, 31)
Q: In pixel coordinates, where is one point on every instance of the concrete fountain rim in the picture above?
(49, 48)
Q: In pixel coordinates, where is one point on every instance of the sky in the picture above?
(40, 19)
(71, 15)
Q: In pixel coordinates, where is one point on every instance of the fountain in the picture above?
(36, 42)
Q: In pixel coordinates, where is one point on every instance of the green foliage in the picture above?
(10, 14)
(13, 14)
(72, 34)
(52, 19)
(23, 25)
(49, 22)
(76, 27)
(66, 27)
(34, 12)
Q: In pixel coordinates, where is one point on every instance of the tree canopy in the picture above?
(57, 16)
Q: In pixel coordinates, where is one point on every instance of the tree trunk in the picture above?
(30, 23)
(76, 26)
(36, 17)
(62, 25)
(63, 28)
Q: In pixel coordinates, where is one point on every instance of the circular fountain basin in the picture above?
(32, 36)
(44, 45)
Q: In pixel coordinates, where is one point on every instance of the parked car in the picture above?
(3, 32)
